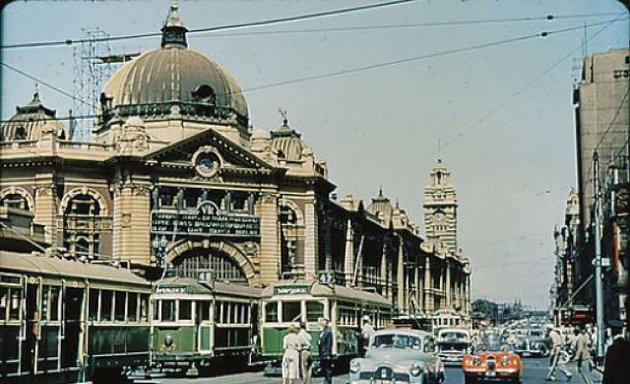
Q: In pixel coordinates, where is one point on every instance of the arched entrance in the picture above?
(220, 261)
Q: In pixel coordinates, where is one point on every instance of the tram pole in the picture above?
(599, 294)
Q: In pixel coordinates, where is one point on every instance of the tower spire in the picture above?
(174, 31)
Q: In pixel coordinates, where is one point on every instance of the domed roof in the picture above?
(174, 74)
(287, 143)
(31, 121)
(381, 207)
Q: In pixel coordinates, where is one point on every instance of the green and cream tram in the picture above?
(68, 321)
(290, 302)
(199, 324)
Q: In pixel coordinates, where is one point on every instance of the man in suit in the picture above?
(325, 349)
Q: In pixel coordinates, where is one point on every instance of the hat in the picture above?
(367, 318)
(615, 323)
(326, 319)
(548, 326)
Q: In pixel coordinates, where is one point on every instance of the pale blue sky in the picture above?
(503, 113)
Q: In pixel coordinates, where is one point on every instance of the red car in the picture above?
(493, 365)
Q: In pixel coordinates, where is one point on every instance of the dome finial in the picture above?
(173, 31)
(380, 191)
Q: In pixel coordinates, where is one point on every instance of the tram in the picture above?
(198, 324)
(66, 320)
(289, 302)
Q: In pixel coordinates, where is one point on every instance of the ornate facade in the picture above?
(174, 179)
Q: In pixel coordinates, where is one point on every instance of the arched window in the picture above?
(20, 133)
(15, 200)
(80, 225)
(204, 264)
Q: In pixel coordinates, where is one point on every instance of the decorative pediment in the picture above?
(209, 152)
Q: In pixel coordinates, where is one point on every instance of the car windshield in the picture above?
(397, 341)
(494, 346)
(453, 336)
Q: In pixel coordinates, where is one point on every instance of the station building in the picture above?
(174, 178)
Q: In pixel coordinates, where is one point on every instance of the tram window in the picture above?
(132, 307)
(314, 310)
(14, 304)
(203, 311)
(168, 310)
(4, 299)
(290, 311)
(93, 306)
(144, 308)
(217, 311)
(120, 306)
(185, 310)
(106, 305)
(271, 312)
(54, 303)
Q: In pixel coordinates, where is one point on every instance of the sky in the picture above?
(380, 94)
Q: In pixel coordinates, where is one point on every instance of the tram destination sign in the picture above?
(292, 290)
(200, 224)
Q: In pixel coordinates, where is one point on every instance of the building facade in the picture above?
(602, 112)
(175, 179)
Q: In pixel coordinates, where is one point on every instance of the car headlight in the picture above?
(355, 366)
(415, 369)
(476, 361)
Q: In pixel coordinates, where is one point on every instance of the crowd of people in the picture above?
(297, 359)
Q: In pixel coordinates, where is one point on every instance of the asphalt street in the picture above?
(534, 372)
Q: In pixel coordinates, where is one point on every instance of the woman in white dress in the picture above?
(291, 357)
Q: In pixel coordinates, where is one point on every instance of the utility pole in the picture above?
(599, 294)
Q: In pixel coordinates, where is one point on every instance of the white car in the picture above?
(453, 344)
(398, 356)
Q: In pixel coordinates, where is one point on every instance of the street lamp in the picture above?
(159, 245)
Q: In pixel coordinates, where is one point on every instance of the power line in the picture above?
(549, 17)
(44, 83)
(260, 23)
(386, 64)
(522, 89)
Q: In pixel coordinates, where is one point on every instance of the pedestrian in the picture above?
(617, 363)
(305, 353)
(325, 349)
(367, 331)
(291, 357)
(580, 346)
(555, 362)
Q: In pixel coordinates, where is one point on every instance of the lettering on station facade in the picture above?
(201, 224)
(292, 290)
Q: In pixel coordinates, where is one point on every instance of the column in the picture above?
(348, 264)
(416, 283)
(428, 302)
(132, 222)
(384, 272)
(45, 210)
(447, 288)
(269, 239)
(311, 248)
(400, 279)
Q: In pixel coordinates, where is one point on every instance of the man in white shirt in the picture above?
(557, 343)
(305, 353)
(367, 331)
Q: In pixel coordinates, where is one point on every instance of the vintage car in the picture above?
(495, 362)
(398, 356)
(533, 343)
(453, 344)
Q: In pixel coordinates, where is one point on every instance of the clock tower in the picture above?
(440, 209)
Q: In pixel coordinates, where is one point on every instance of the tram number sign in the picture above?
(292, 290)
(167, 289)
(326, 278)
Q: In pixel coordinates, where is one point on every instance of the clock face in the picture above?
(207, 164)
(439, 217)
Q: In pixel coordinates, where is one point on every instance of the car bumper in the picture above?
(496, 375)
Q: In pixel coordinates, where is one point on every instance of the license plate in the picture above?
(382, 381)
(491, 373)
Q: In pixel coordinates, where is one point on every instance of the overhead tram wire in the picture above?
(44, 83)
(522, 89)
(261, 23)
(69, 42)
(543, 34)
